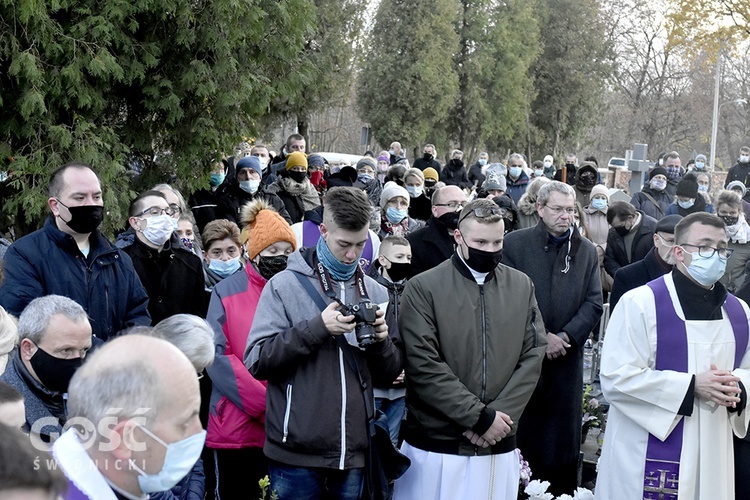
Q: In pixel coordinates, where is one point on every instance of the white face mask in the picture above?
(414, 191)
(249, 186)
(159, 228)
(744, 158)
(178, 462)
(547, 164)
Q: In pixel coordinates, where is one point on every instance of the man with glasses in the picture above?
(675, 370)
(172, 274)
(474, 343)
(70, 257)
(564, 267)
(433, 243)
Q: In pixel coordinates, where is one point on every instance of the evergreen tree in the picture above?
(571, 71)
(164, 85)
(408, 83)
(499, 42)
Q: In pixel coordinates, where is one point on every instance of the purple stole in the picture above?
(311, 233)
(662, 473)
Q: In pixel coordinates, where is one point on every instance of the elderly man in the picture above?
(433, 243)
(70, 257)
(138, 399)
(54, 336)
(565, 270)
(461, 420)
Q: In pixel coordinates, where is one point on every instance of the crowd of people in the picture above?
(269, 324)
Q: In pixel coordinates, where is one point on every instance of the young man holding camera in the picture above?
(312, 348)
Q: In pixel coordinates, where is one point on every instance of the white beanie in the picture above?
(390, 191)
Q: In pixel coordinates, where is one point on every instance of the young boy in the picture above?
(12, 408)
(392, 271)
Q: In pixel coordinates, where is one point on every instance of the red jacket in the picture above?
(238, 402)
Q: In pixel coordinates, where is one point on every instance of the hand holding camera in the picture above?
(364, 317)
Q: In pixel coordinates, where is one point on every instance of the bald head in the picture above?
(448, 193)
(131, 372)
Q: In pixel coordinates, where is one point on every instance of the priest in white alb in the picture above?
(674, 370)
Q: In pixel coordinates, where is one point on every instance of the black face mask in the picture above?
(622, 231)
(450, 220)
(400, 271)
(427, 157)
(482, 261)
(54, 373)
(268, 267)
(297, 176)
(84, 219)
(729, 220)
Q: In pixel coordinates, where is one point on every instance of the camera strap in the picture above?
(324, 278)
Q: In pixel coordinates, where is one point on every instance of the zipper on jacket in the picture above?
(533, 328)
(484, 344)
(106, 318)
(342, 374)
(287, 411)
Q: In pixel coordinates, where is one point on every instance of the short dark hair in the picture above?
(468, 211)
(17, 469)
(682, 227)
(671, 154)
(348, 207)
(621, 210)
(392, 241)
(136, 207)
(9, 394)
(56, 182)
(294, 137)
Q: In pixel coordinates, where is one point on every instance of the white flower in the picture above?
(583, 494)
(565, 497)
(537, 490)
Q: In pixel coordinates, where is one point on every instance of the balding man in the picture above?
(54, 336)
(433, 244)
(70, 257)
(153, 438)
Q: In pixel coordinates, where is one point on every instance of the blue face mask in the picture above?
(339, 271)
(224, 268)
(515, 171)
(699, 165)
(706, 270)
(365, 178)
(249, 187)
(482, 162)
(686, 204)
(394, 215)
(217, 179)
(599, 203)
(702, 188)
(178, 462)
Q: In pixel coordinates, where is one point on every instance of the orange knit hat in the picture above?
(262, 226)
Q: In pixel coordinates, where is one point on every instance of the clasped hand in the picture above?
(336, 323)
(498, 430)
(719, 386)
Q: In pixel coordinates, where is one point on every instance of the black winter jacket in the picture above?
(232, 199)
(616, 255)
(430, 246)
(173, 279)
(105, 283)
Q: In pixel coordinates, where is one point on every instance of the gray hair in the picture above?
(553, 187)
(191, 335)
(38, 314)
(97, 389)
(516, 156)
(180, 199)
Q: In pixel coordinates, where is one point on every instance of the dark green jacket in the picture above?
(470, 350)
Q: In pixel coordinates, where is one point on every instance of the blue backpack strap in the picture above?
(311, 290)
(738, 319)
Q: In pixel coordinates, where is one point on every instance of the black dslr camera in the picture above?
(364, 317)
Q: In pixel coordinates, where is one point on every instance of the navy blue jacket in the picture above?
(636, 274)
(105, 284)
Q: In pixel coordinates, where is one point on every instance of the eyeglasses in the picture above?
(708, 252)
(559, 210)
(156, 211)
(483, 212)
(455, 205)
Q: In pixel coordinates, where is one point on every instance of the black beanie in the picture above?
(687, 188)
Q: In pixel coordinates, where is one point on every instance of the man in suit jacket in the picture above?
(630, 238)
(656, 263)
